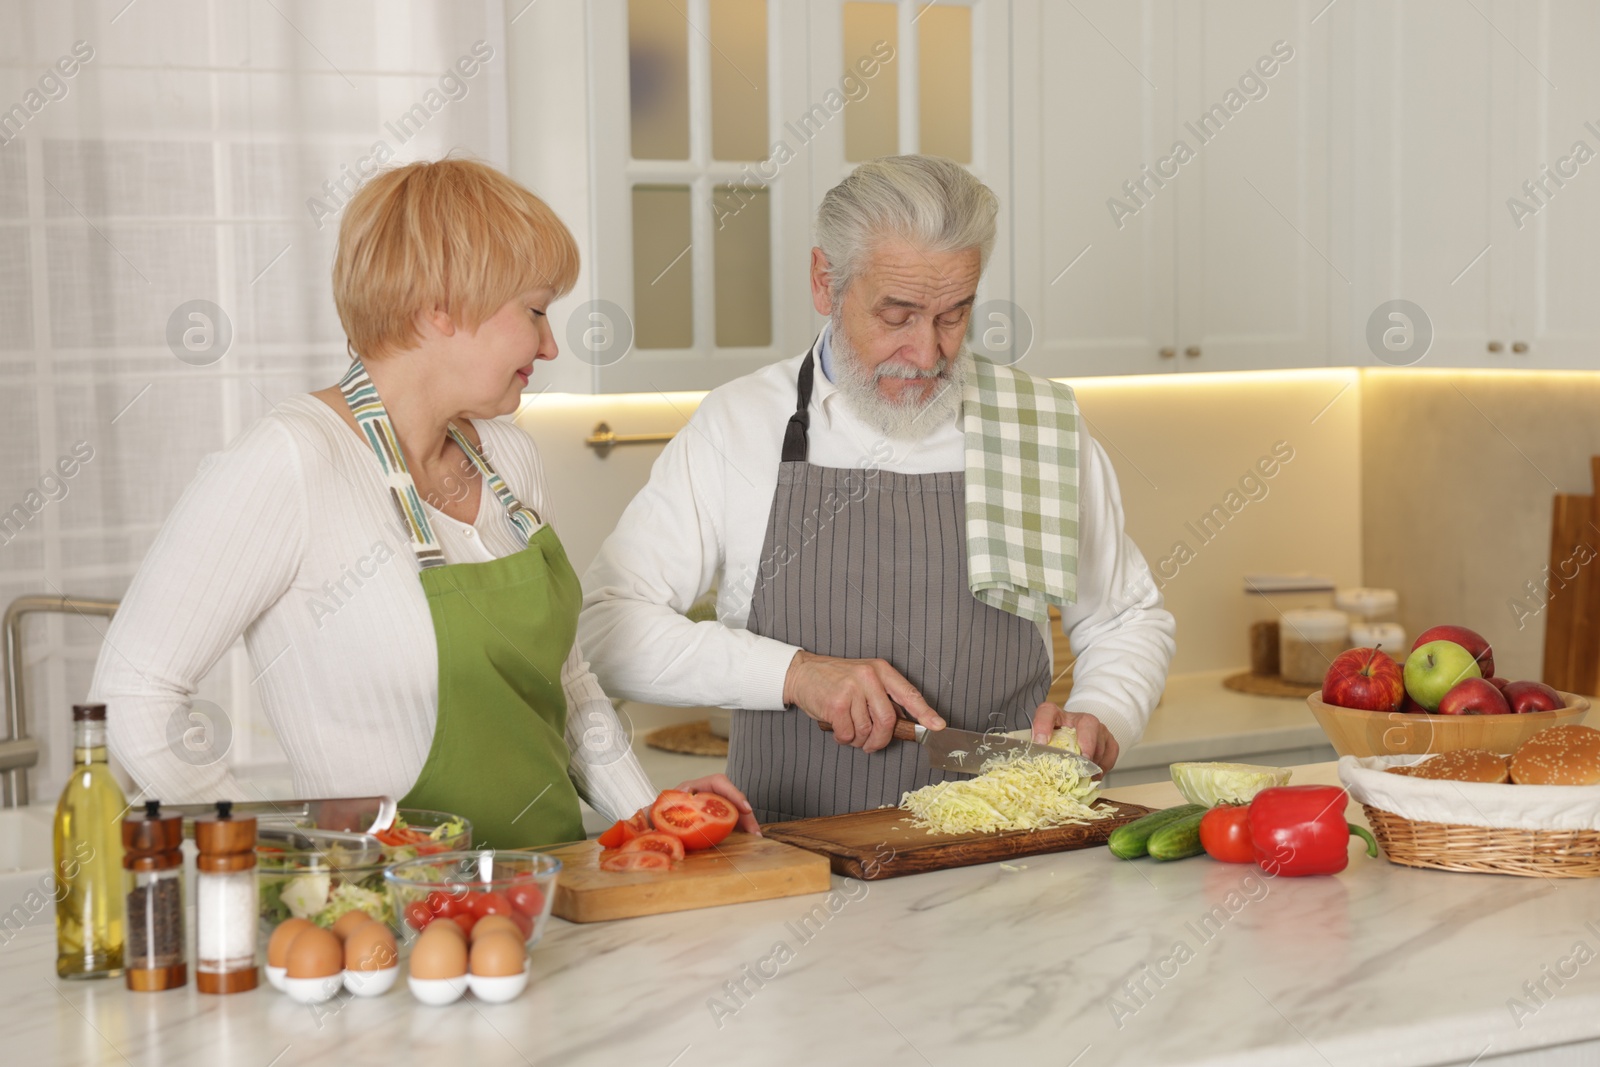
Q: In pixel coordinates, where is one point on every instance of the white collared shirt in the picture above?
(702, 519)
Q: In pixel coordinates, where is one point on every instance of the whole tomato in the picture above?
(1225, 834)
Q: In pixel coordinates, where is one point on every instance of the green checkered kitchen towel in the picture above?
(1022, 490)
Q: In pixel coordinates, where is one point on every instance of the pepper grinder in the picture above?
(225, 926)
(152, 858)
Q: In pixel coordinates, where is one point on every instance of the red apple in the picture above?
(1532, 696)
(1364, 678)
(1470, 640)
(1474, 696)
(1500, 683)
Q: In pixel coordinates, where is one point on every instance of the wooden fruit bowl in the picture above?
(1394, 733)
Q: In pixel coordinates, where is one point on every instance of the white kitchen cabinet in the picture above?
(1423, 114)
(1181, 193)
(1253, 216)
(1094, 103)
(1546, 210)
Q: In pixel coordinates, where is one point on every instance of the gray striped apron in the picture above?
(865, 564)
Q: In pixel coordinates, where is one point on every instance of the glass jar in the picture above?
(225, 891)
(1365, 604)
(1309, 641)
(152, 860)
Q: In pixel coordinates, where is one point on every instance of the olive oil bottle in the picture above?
(88, 847)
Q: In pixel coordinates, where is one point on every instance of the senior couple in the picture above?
(885, 518)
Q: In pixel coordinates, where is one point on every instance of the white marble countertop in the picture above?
(1378, 965)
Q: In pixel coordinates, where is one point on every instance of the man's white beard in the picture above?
(909, 420)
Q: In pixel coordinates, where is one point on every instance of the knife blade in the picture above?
(965, 751)
(366, 815)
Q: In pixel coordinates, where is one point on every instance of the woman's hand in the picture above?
(723, 787)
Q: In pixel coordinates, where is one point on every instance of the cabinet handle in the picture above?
(1166, 352)
(1519, 346)
(1495, 346)
(1192, 351)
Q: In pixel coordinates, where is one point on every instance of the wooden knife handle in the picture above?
(904, 729)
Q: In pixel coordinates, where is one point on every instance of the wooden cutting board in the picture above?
(1572, 616)
(744, 867)
(883, 843)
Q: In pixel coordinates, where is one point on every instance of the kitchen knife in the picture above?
(965, 752)
(366, 815)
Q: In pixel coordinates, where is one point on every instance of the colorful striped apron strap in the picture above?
(373, 422)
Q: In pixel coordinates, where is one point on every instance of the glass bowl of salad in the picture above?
(466, 886)
(323, 884)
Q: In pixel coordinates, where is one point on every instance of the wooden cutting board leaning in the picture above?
(884, 842)
(743, 868)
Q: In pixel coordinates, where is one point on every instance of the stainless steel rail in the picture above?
(18, 751)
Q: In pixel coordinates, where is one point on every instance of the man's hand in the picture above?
(856, 696)
(1095, 740)
(723, 786)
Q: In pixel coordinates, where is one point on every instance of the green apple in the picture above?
(1432, 669)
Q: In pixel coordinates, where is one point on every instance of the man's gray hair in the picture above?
(930, 201)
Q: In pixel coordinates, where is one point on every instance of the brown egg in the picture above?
(439, 955)
(490, 923)
(278, 945)
(370, 947)
(498, 954)
(314, 953)
(448, 926)
(348, 922)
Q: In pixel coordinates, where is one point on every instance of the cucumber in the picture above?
(1179, 839)
(1131, 840)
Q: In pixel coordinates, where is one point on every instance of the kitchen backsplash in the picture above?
(1221, 475)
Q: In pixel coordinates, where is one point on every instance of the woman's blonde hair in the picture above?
(456, 235)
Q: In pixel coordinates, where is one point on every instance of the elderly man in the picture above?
(886, 519)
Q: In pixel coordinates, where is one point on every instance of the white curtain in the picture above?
(158, 153)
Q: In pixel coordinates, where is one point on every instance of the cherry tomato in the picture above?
(490, 904)
(466, 920)
(635, 861)
(527, 898)
(417, 915)
(524, 923)
(699, 820)
(448, 905)
(657, 841)
(1225, 834)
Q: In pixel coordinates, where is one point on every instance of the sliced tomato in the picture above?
(635, 861)
(493, 903)
(624, 830)
(1225, 834)
(656, 841)
(699, 820)
(417, 915)
(527, 898)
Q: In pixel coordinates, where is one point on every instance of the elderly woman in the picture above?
(385, 546)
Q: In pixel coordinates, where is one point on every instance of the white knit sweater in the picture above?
(288, 536)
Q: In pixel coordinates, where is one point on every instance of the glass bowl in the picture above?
(321, 885)
(463, 887)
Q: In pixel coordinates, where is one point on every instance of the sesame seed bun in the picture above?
(1561, 755)
(1463, 765)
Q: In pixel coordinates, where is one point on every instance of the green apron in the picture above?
(504, 629)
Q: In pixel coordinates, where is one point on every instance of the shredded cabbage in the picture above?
(1014, 792)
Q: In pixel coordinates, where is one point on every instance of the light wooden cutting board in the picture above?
(743, 868)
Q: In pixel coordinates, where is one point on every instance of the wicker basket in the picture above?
(1486, 850)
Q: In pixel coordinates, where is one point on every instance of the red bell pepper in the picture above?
(1301, 829)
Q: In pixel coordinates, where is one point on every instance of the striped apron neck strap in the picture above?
(524, 518)
(373, 422)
